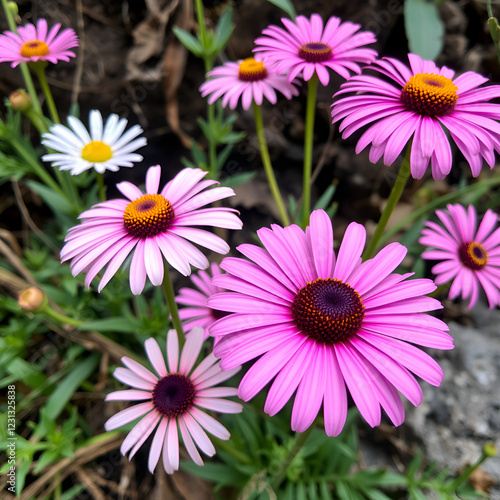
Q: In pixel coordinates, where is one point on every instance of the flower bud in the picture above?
(20, 100)
(13, 8)
(32, 299)
(490, 450)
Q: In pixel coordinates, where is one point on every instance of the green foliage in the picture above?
(424, 28)
(286, 6)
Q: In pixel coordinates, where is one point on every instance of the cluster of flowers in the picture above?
(318, 324)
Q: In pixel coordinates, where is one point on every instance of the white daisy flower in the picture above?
(105, 148)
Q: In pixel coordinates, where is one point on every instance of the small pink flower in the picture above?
(468, 255)
(251, 79)
(155, 226)
(172, 401)
(421, 102)
(305, 47)
(197, 312)
(322, 324)
(33, 43)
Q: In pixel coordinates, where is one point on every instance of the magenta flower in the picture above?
(157, 225)
(197, 312)
(250, 79)
(33, 43)
(422, 102)
(468, 255)
(319, 323)
(304, 46)
(172, 401)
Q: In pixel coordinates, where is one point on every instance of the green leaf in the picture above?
(424, 28)
(324, 491)
(45, 459)
(220, 474)
(26, 372)
(224, 29)
(414, 464)
(285, 5)
(118, 324)
(69, 384)
(54, 200)
(189, 41)
(238, 179)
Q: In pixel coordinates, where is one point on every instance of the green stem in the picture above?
(100, 186)
(308, 148)
(238, 455)
(200, 17)
(279, 475)
(39, 70)
(168, 289)
(212, 145)
(61, 318)
(268, 168)
(397, 190)
(467, 472)
(37, 168)
(487, 184)
(28, 81)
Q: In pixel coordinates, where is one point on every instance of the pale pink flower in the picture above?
(468, 255)
(32, 43)
(154, 226)
(322, 324)
(252, 79)
(172, 398)
(306, 47)
(421, 103)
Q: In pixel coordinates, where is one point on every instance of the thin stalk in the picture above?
(268, 168)
(212, 145)
(200, 18)
(39, 70)
(397, 190)
(28, 81)
(279, 475)
(61, 318)
(237, 454)
(37, 168)
(308, 148)
(168, 289)
(100, 186)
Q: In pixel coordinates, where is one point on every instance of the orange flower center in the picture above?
(149, 215)
(315, 52)
(251, 70)
(34, 48)
(96, 152)
(473, 255)
(328, 311)
(429, 94)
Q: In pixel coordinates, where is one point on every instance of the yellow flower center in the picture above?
(149, 215)
(251, 70)
(429, 94)
(315, 52)
(34, 48)
(96, 152)
(473, 255)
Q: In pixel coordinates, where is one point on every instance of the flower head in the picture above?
(468, 255)
(320, 322)
(32, 43)
(172, 401)
(197, 312)
(251, 79)
(155, 225)
(306, 47)
(422, 102)
(106, 147)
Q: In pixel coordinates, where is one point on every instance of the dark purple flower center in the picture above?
(473, 255)
(328, 311)
(149, 215)
(173, 395)
(429, 95)
(315, 52)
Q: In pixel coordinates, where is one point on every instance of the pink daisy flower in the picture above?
(154, 225)
(423, 102)
(321, 323)
(306, 47)
(468, 255)
(172, 401)
(197, 312)
(250, 79)
(32, 43)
